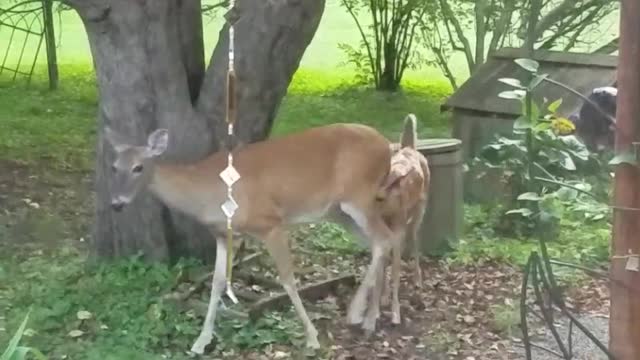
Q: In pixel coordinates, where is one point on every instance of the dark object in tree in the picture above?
(149, 62)
(596, 126)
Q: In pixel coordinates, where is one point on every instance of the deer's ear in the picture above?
(157, 142)
(116, 139)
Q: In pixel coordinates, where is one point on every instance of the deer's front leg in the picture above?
(217, 288)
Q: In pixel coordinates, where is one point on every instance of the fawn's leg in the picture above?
(277, 243)
(380, 235)
(386, 288)
(412, 237)
(396, 265)
(217, 287)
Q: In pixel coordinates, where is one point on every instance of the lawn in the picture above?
(81, 310)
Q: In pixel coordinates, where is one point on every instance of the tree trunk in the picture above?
(150, 73)
(624, 326)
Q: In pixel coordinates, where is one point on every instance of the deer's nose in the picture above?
(117, 205)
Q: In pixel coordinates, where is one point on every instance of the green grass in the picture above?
(323, 53)
(42, 267)
(37, 124)
(128, 316)
(579, 241)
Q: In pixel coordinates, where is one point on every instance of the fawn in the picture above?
(404, 207)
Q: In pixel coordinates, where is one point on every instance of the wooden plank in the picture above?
(310, 292)
(561, 57)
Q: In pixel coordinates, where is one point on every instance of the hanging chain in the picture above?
(230, 175)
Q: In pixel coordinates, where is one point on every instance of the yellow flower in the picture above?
(562, 126)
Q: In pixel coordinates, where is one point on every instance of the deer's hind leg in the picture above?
(277, 243)
(379, 235)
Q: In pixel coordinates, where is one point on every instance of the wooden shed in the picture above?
(478, 114)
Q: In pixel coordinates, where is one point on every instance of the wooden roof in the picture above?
(580, 71)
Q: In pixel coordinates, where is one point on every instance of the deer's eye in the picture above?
(137, 169)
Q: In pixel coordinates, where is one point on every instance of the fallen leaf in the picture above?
(280, 355)
(84, 315)
(76, 333)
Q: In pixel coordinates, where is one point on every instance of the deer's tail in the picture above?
(409, 136)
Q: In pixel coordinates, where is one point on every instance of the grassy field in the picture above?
(323, 53)
(119, 311)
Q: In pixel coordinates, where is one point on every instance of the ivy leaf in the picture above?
(536, 81)
(553, 107)
(529, 196)
(625, 157)
(522, 211)
(522, 123)
(567, 194)
(84, 315)
(512, 82)
(76, 333)
(512, 94)
(528, 64)
(542, 126)
(575, 147)
(567, 161)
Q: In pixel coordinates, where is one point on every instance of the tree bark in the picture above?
(271, 37)
(150, 73)
(624, 326)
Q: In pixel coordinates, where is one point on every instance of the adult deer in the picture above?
(334, 172)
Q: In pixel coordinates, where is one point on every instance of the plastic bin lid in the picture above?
(435, 146)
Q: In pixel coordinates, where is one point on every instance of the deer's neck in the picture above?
(182, 187)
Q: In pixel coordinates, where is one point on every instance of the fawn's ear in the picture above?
(117, 140)
(157, 142)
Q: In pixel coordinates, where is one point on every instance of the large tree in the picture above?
(150, 68)
(477, 28)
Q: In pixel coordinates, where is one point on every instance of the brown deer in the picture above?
(334, 172)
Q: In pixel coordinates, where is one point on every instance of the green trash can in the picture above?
(443, 220)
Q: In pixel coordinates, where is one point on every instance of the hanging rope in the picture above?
(230, 175)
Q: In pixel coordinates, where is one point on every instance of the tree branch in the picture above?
(209, 8)
(364, 40)
(450, 16)
(191, 43)
(555, 15)
(608, 48)
(586, 22)
(501, 25)
(481, 30)
(534, 15)
(267, 54)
